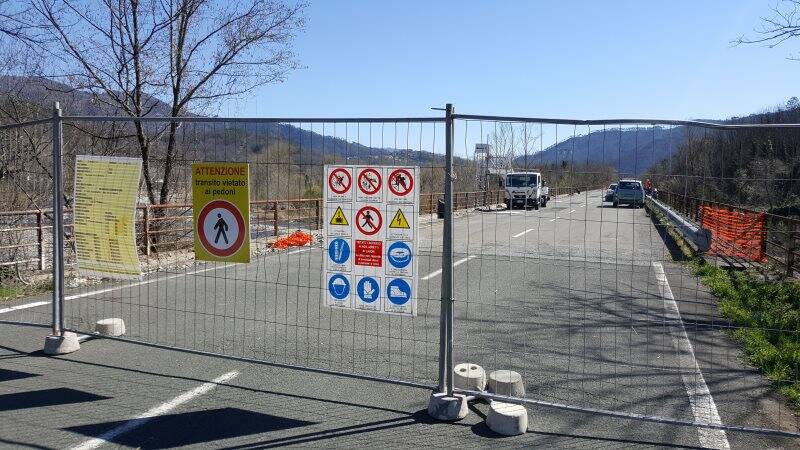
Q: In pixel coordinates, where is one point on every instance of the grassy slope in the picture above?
(765, 316)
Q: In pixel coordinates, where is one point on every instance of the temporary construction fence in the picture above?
(582, 299)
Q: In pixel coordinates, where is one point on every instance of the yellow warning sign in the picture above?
(399, 220)
(221, 206)
(106, 190)
(339, 218)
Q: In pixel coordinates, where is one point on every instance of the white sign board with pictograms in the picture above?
(371, 222)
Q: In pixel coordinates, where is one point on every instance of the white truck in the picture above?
(526, 189)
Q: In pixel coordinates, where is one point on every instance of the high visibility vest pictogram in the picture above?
(399, 220)
(339, 218)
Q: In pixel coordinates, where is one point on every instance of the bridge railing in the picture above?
(780, 235)
(168, 227)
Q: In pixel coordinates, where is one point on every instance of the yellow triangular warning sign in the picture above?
(339, 217)
(399, 220)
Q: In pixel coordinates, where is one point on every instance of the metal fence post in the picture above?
(58, 226)
(40, 238)
(275, 217)
(146, 229)
(318, 218)
(446, 314)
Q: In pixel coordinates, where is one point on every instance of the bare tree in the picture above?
(781, 25)
(136, 56)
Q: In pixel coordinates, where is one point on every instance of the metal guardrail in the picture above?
(699, 238)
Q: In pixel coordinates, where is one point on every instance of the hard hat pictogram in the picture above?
(368, 220)
(339, 180)
(399, 220)
(401, 182)
(339, 218)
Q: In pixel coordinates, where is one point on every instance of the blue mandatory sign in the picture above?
(339, 286)
(398, 291)
(368, 289)
(339, 251)
(399, 255)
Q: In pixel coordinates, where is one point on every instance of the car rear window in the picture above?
(629, 185)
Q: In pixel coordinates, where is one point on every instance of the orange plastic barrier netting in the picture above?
(735, 233)
(296, 239)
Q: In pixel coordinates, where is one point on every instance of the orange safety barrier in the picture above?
(735, 233)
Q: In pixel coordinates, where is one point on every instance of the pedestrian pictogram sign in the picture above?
(339, 218)
(369, 220)
(340, 180)
(221, 207)
(399, 220)
(371, 217)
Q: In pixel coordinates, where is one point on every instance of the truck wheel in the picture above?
(508, 204)
(616, 204)
(536, 205)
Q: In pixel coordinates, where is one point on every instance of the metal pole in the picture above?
(58, 226)
(446, 315)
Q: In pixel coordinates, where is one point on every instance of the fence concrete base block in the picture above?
(60, 345)
(506, 382)
(469, 376)
(507, 419)
(447, 407)
(110, 327)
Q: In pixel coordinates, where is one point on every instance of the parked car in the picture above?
(609, 197)
(629, 192)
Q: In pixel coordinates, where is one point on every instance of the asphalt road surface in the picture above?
(584, 300)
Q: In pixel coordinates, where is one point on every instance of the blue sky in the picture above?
(578, 59)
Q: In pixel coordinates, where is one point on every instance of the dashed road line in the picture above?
(524, 232)
(436, 273)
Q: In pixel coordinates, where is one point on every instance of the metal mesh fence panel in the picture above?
(586, 297)
(270, 309)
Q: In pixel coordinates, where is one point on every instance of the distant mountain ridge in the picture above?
(314, 146)
(630, 151)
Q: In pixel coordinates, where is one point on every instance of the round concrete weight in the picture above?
(506, 382)
(447, 407)
(62, 344)
(110, 327)
(469, 376)
(507, 419)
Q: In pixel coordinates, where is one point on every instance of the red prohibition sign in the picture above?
(237, 244)
(369, 220)
(401, 182)
(339, 180)
(369, 181)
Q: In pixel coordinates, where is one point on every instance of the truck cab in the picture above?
(526, 189)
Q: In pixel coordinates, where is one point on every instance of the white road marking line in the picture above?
(524, 232)
(25, 306)
(138, 283)
(702, 403)
(554, 219)
(436, 273)
(572, 211)
(155, 412)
